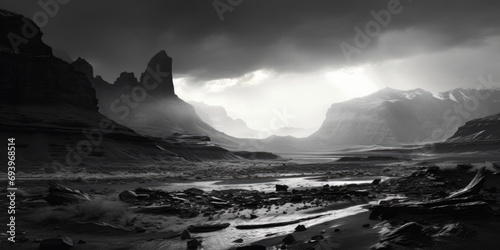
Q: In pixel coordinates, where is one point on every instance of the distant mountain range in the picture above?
(391, 117)
(217, 117)
(49, 102)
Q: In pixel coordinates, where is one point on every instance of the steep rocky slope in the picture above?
(391, 117)
(217, 117)
(150, 106)
(481, 134)
(51, 110)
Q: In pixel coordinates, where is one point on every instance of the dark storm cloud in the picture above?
(285, 36)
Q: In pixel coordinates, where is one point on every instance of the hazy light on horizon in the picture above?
(305, 97)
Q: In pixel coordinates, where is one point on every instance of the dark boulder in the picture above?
(185, 235)
(193, 244)
(289, 239)
(300, 228)
(57, 243)
(280, 188)
(127, 196)
(61, 195)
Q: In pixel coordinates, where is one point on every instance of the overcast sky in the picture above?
(283, 56)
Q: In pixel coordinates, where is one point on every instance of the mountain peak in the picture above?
(159, 70)
(126, 78)
(83, 66)
(390, 93)
(162, 53)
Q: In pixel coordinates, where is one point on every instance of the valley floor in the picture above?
(331, 199)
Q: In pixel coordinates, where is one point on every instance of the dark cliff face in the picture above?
(30, 74)
(47, 80)
(159, 69)
(83, 66)
(51, 108)
(148, 105)
(21, 35)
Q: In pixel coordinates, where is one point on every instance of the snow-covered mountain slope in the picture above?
(390, 117)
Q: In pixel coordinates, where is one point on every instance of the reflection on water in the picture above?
(223, 239)
(266, 184)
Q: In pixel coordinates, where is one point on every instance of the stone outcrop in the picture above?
(161, 65)
(52, 108)
(21, 35)
(126, 79)
(30, 74)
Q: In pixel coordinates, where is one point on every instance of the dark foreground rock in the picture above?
(289, 239)
(61, 195)
(58, 243)
(193, 244)
(463, 203)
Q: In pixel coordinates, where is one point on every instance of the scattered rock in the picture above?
(317, 237)
(81, 242)
(185, 235)
(62, 195)
(300, 228)
(376, 181)
(337, 230)
(194, 191)
(58, 243)
(193, 244)
(188, 213)
(289, 239)
(456, 229)
(253, 216)
(296, 198)
(127, 196)
(281, 188)
(406, 234)
(240, 240)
